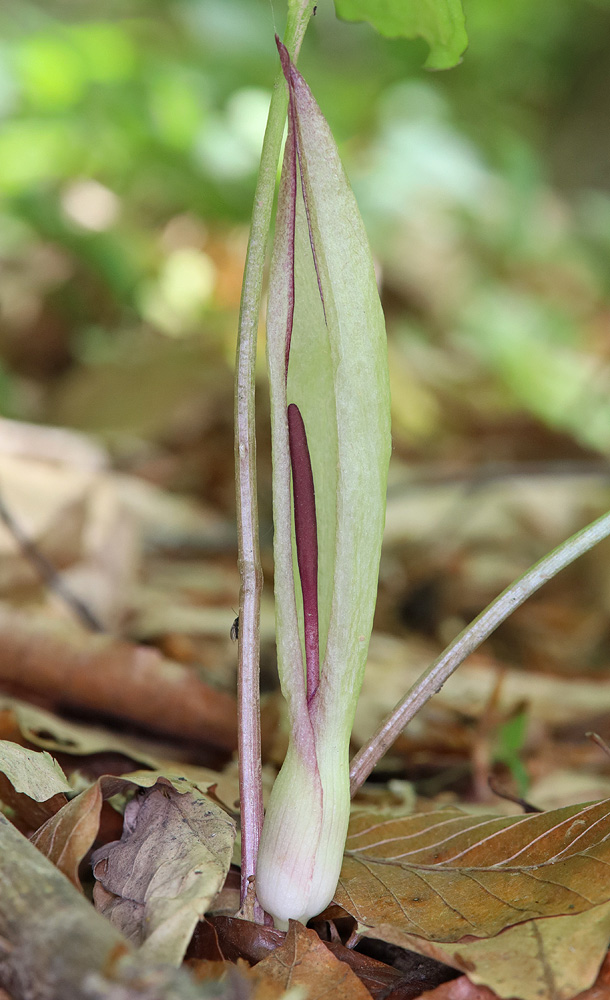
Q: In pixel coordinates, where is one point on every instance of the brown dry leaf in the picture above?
(27, 723)
(459, 989)
(463, 989)
(379, 978)
(69, 666)
(156, 882)
(447, 874)
(27, 814)
(232, 938)
(67, 836)
(303, 960)
(242, 979)
(222, 786)
(31, 724)
(549, 959)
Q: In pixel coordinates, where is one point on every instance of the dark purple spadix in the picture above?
(306, 536)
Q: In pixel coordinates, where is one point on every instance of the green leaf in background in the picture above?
(439, 22)
(510, 741)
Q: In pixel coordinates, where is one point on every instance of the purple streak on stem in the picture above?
(306, 534)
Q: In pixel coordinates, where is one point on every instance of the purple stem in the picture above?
(306, 535)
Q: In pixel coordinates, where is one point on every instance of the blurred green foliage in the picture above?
(510, 740)
(129, 142)
(440, 22)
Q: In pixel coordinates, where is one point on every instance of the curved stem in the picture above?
(249, 745)
(470, 639)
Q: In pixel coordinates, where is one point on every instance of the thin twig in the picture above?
(596, 738)
(248, 695)
(470, 639)
(48, 572)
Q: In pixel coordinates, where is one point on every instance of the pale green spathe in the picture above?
(338, 377)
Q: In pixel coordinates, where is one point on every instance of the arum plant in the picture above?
(330, 419)
(331, 444)
(337, 384)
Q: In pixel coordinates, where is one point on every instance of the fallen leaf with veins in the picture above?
(230, 938)
(447, 884)
(446, 874)
(552, 958)
(463, 989)
(68, 836)
(549, 959)
(304, 960)
(157, 881)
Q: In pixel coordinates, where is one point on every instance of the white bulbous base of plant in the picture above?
(303, 838)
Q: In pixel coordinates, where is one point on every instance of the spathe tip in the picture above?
(287, 67)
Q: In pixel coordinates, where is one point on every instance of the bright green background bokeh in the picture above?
(485, 190)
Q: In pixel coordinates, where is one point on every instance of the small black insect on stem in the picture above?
(234, 633)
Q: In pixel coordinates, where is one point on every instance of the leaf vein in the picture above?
(397, 901)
